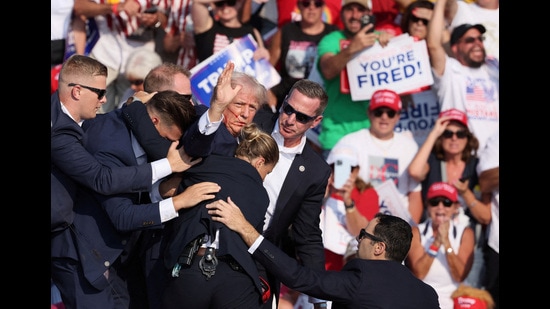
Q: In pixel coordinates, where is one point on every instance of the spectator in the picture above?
(140, 62)
(89, 265)
(485, 12)
(218, 31)
(294, 46)
(61, 17)
(449, 154)
(383, 154)
(442, 250)
(179, 37)
(468, 82)
(116, 23)
(376, 278)
(488, 212)
(467, 297)
(231, 278)
(343, 115)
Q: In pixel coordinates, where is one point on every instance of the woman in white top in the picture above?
(442, 249)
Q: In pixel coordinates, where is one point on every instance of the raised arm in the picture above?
(436, 27)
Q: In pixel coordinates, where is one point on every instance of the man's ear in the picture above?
(379, 248)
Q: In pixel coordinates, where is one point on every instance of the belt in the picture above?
(202, 251)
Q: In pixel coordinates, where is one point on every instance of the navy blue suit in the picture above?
(102, 224)
(72, 164)
(360, 284)
(239, 180)
(295, 223)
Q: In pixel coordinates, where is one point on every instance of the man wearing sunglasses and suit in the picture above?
(375, 279)
(383, 154)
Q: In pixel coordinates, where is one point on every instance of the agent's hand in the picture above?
(178, 158)
(195, 194)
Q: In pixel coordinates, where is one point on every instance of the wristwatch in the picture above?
(449, 250)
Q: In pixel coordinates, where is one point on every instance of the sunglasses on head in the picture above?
(435, 201)
(300, 117)
(100, 92)
(380, 111)
(307, 3)
(363, 234)
(415, 19)
(459, 134)
(225, 2)
(472, 39)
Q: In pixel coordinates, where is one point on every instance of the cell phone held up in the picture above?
(342, 170)
(368, 19)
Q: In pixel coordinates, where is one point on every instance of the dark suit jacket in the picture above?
(103, 223)
(70, 161)
(295, 223)
(239, 180)
(138, 121)
(360, 284)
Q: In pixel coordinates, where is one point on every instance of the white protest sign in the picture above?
(403, 65)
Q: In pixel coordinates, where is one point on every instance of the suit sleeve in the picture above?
(70, 157)
(136, 117)
(333, 285)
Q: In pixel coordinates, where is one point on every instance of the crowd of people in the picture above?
(161, 201)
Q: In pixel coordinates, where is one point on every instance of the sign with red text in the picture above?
(403, 65)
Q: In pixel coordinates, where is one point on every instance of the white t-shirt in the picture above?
(488, 159)
(474, 91)
(381, 160)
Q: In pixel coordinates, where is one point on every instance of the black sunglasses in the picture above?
(472, 39)
(415, 19)
(435, 201)
(225, 2)
(459, 134)
(136, 82)
(363, 234)
(380, 111)
(300, 117)
(100, 92)
(307, 3)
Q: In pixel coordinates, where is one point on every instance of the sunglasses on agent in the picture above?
(100, 92)
(300, 117)
(363, 233)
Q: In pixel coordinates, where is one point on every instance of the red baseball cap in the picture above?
(455, 114)
(469, 302)
(442, 189)
(385, 98)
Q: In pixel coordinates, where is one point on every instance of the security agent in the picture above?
(376, 279)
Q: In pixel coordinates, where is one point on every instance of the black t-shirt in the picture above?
(218, 37)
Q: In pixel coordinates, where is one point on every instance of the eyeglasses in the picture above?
(459, 134)
(380, 111)
(220, 4)
(363, 234)
(435, 201)
(415, 19)
(307, 3)
(472, 39)
(136, 82)
(300, 117)
(100, 92)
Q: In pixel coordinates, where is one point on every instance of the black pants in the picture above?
(57, 51)
(227, 289)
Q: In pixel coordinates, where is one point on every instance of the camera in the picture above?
(368, 19)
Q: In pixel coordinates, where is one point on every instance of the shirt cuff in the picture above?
(256, 244)
(206, 126)
(167, 210)
(161, 168)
